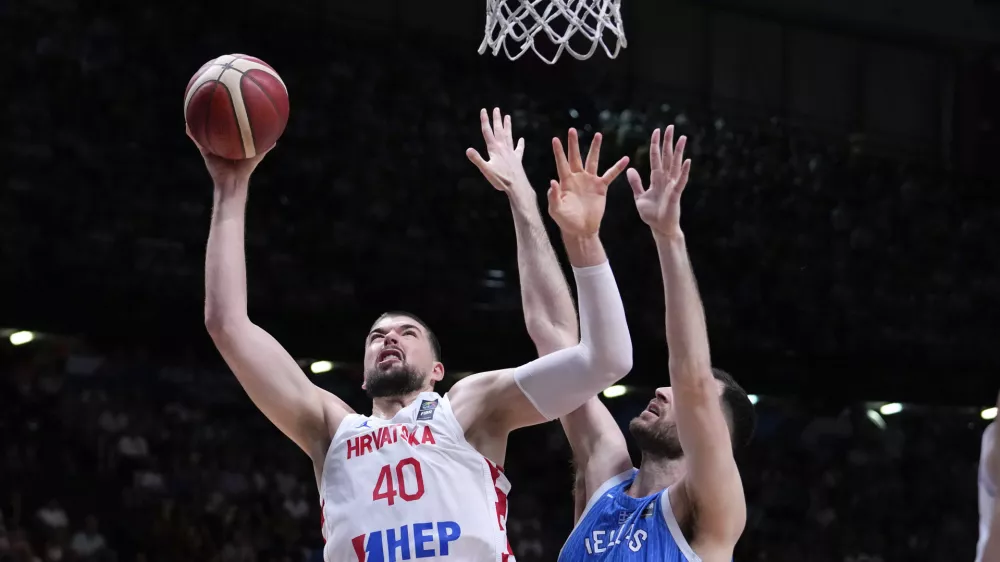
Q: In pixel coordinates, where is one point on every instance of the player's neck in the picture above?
(655, 474)
(387, 407)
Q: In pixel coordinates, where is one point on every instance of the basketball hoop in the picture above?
(574, 26)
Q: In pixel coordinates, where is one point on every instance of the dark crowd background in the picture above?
(841, 218)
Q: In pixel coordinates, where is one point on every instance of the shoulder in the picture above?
(335, 411)
(479, 398)
(477, 383)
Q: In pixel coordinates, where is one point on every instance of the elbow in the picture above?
(616, 362)
(219, 325)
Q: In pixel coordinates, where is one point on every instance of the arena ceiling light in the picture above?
(22, 337)
(989, 413)
(875, 419)
(890, 408)
(318, 367)
(615, 391)
(753, 398)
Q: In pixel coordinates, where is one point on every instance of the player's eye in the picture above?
(410, 333)
(375, 337)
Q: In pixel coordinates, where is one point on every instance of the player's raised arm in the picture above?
(712, 481)
(549, 314)
(562, 381)
(599, 448)
(270, 376)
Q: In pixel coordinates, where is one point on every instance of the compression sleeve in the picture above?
(561, 382)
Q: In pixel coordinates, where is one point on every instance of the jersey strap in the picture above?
(603, 489)
(675, 529)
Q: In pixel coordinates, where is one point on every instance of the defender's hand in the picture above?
(577, 200)
(503, 170)
(226, 172)
(660, 205)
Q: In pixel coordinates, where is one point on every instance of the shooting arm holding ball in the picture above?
(305, 413)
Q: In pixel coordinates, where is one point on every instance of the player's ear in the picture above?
(437, 371)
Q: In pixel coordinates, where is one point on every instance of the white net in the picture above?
(574, 26)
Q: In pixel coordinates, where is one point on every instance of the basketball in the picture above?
(236, 106)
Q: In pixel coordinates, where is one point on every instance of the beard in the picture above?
(657, 440)
(397, 380)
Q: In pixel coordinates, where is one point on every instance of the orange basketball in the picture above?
(236, 106)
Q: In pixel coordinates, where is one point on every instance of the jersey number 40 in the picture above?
(387, 488)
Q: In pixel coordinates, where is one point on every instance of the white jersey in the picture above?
(412, 488)
(987, 494)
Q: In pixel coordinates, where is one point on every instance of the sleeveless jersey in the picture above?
(616, 527)
(411, 488)
(987, 494)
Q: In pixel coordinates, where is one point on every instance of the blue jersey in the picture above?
(616, 527)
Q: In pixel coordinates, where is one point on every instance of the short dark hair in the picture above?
(739, 409)
(435, 345)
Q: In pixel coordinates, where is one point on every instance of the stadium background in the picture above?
(841, 219)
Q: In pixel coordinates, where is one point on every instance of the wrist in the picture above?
(522, 195)
(230, 186)
(675, 236)
(584, 251)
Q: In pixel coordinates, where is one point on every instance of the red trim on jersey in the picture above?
(501, 505)
(322, 519)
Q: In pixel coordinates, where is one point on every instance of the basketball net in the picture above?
(521, 22)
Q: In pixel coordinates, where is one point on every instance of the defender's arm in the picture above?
(712, 482)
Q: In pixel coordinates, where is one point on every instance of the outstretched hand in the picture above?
(503, 170)
(578, 198)
(227, 172)
(660, 205)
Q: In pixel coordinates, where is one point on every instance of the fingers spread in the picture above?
(519, 149)
(497, 124)
(679, 155)
(575, 161)
(477, 159)
(654, 150)
(594, 155)
(615, 170)
(635, 181)
(685, 172)
(562, 165)
(668, 149)
(554, 194)
(484, 122)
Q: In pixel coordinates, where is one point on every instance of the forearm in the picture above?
(549, 314)
(225, 257)
(560, 382)
(687, 334)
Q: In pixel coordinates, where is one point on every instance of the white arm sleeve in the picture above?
(561, 382)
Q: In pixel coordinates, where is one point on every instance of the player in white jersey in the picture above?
(421, 476)
(685, 502)
(988, 548)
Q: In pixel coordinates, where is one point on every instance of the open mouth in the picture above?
(653, 408)
(388, 356)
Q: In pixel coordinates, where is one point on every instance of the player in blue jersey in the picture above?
(685, 502)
